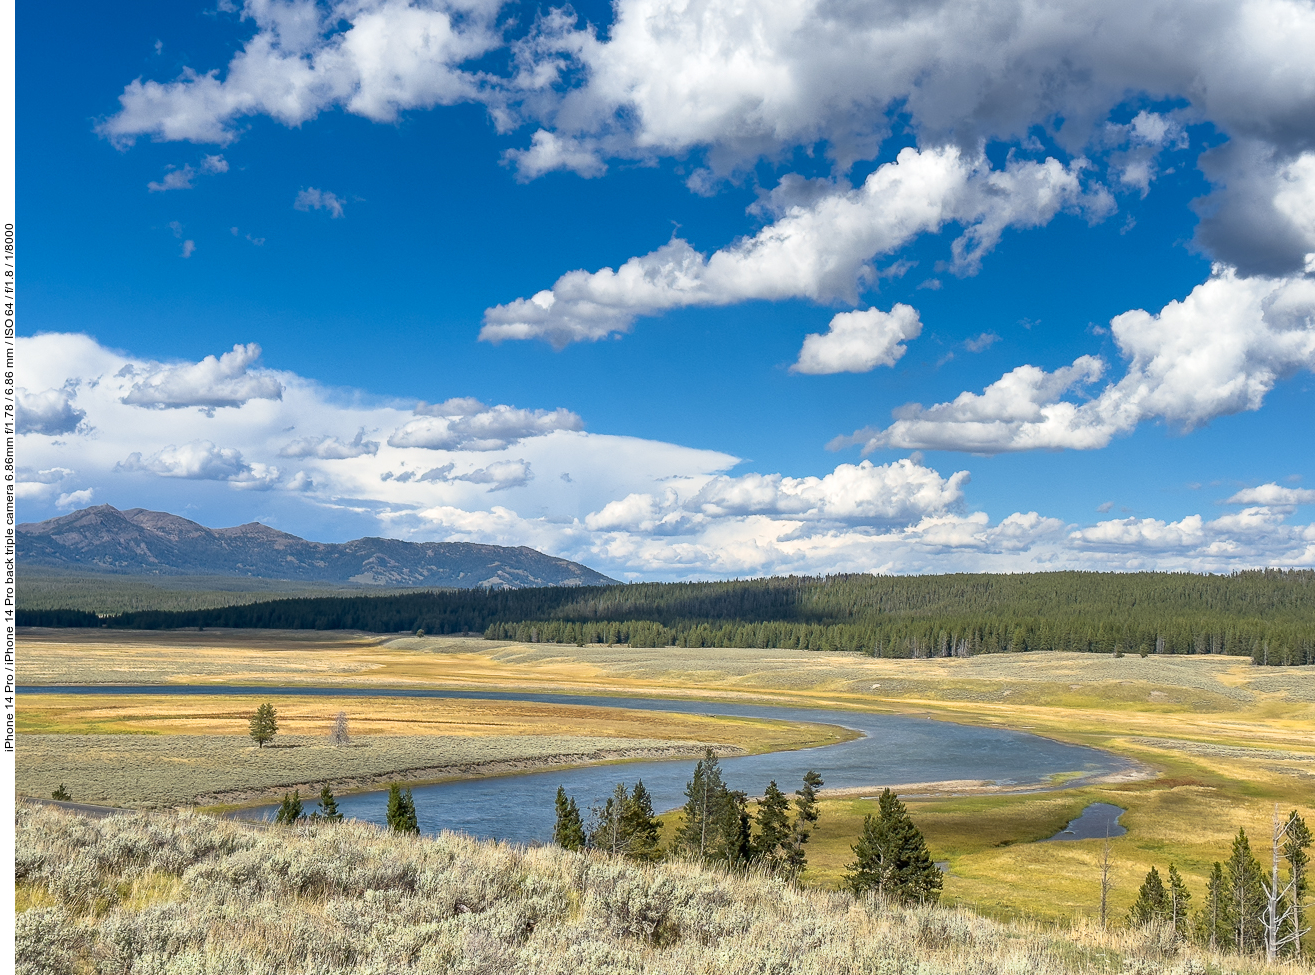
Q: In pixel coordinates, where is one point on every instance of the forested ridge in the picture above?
(1268, 615)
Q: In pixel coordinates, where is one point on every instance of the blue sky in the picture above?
(1081, 236)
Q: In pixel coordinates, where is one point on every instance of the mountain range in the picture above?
(140, 542)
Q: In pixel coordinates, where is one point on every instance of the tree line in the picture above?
(1268, 615)
(1246, 908)
(715, 826)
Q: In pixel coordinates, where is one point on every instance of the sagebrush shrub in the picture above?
(45, 942)
(177, 895)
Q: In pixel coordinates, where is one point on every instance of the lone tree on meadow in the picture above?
(891, 857)
(264, 724)
(339, 735)
(62, 794)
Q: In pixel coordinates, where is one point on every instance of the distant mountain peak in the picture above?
(139, 541)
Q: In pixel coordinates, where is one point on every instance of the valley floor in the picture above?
(1228, 741)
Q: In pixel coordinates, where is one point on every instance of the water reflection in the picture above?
(1097, 821)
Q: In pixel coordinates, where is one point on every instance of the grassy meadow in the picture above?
(1225, 741)
(173, 770)
(147, 751)
(171, 894)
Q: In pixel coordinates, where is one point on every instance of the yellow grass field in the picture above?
(153, 771)
(144, 750)
(1229, 741)
(370, 716)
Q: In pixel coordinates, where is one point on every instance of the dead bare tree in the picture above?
(339, 735)
(1282, 918)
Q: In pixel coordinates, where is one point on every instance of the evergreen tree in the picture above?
(328, 810)
(891, 857)
(705, 804)
(1212, 927)
(1152, 902)
(608, 823)
(716, 824)
(806, 798)
(568, 833)
(737, 830)
(1246, 896)
(290, 808)
(401, 810)
(642, 830)
(1296, 838)
(264, 724)
(1179, 898)
(806, 816)
(62, 794)
(773, 822)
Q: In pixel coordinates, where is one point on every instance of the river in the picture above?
(893, 750)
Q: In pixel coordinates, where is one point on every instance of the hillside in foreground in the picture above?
(141, 542)
(167, 894)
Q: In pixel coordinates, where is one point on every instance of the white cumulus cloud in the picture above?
(50, 412)
(859, 341)
(200, 460)
(373, 58)
(500, 475)
(896, 493)
(180, 178)
(75, 499)
(469, 425)
(1218, 351)
(1273, 495)
(730, 84)
(632, 508)
(33, 484)
(821, 250)
(226, 380)
(331, 448)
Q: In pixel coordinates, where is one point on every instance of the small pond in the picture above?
(1099, 820)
